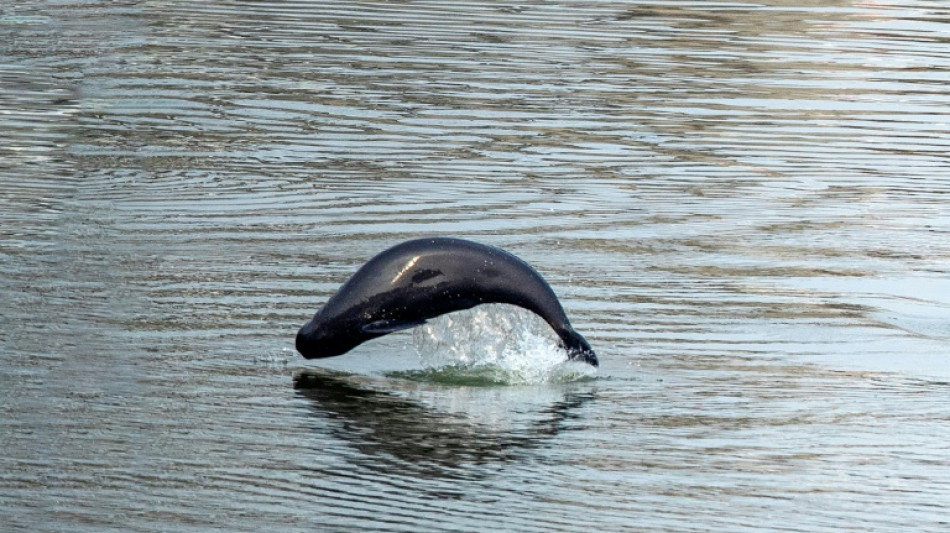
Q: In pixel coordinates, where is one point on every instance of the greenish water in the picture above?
(743, 207)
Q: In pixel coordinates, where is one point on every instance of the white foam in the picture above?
(514, 345)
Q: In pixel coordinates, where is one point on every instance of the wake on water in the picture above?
(493, 344)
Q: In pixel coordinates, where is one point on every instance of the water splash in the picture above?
(493, 344)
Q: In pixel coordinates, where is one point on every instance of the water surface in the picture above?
(743, 206)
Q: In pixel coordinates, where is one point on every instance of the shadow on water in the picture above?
(393, 432)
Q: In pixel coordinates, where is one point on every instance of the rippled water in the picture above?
(743, 206)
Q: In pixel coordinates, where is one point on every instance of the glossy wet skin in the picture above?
(405, 285)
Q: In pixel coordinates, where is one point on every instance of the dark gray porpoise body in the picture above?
(417, 280)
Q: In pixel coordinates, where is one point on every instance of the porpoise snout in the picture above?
(308, 341)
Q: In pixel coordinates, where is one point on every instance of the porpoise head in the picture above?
(318, 339)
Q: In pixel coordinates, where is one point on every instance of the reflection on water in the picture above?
(742, 206)
(396, 433)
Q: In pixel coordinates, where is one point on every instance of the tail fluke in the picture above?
(578, 349)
